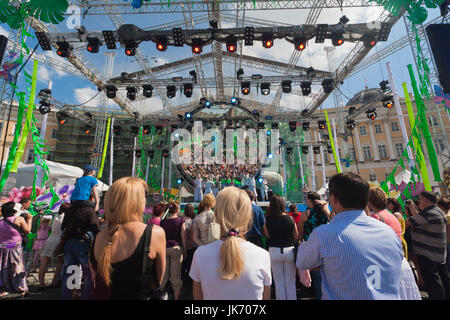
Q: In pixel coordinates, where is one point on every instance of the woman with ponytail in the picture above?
(117, 252)
(231, 268)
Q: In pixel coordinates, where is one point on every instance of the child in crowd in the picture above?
(42, 236)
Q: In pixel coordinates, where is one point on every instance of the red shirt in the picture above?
(390, 220)
(296, 218)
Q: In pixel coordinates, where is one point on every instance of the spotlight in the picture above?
(165, 153)
(213, 24)
(147, 130)
(249, 35)
(207, 103)
(62, 117)
(134, 131)
(131, 93)
(64, 50)
(197, 46)
(350, 124)
(289, 151)
(305, 126)
(130, 48)
(193, 74)
(265, 88)
(234, 100)
(245, 87)
(275, 125)
(321, 32)
(93, 45)
(255, 113)
(187, 88)
(292, 126)
(109, 39)
(239, 73)
(306, 87)
(327, 85)
(179, 181)
(330, 149)
(261, 125)
(322, 125)
(300, 44)
(351, 110)
(371, 114)
(188, 115)
(87, 130)
(369, 41)
(310, 72)
(117, 130)
(45, 107)
(161, 43)
(111, 91)
(268, 41)
(231, 44)
(305, 149)
(387, 102)
(286, 85)
(158, 129)
(344, 20)
(316, 150)
(171, 92)
(269, 132)
(384, 85)
(43, 41)
(337, 39)
(178, 37)
(147, 90)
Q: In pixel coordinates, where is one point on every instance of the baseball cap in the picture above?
(90, 167)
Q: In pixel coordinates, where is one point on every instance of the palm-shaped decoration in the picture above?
(416, 12)
(50, 11)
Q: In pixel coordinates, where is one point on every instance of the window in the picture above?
(54, 133)
(325, 155)
(378, 128)
(367, 153)
(51, 155)
(351, 152)
(382, 151)
(394, 126)
(386, 175)
(372, 177)
(13, 127)
(439, 144)
(30, 156)
(432, 121)
(362, 130)
(399, 149)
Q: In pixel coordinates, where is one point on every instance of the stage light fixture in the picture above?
(131, 93)
(305, 149)
(207, 103)
(171, 92)
(344, 20)
(274, 125)
(130, 48)
(179, 181)
(337, 38)
(111, 91)
(369, 40)
(178, 37)
(371, 114)
(249, 35)
(300, 44)
(165, 153)
(321, 32)
(64, 49)
(45, 107)
(43, 41)
(188, 115)
(239, 73)
(310, 72)
(286, 85)
(269, 132)
(110, 41)
(187, 89)
(267, 41)
(134, 131)
(316, 150)
(231, 44)
(384, 31)
(193, 74)
(327, 85)
(292, 126)
(158, 129)
(289, 151)
(245, 87)
(351, 110)
(147, 130)
(384, 85)
(147, 90)
(270, 155)
(62, 117)
(265, 88)
(197, 46)
(255, 113)
(93, 45)
(234, 100)
(330, 149)
(260, 179)
(117, 130)
(161, 43)
(322, 124)
(305, 126)
(306, 87)
(387, 102)
(87, 130)
(350, 124)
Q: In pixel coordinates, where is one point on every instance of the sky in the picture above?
(74, 90)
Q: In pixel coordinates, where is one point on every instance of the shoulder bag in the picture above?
(213, 231)
(19, 230)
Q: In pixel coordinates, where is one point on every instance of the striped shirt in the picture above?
(360, 258)
(429, 234)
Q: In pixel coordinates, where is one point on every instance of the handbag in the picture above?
(19, 230)
(213, 231)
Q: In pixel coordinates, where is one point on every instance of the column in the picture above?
(388, 140)
(358, 145)
(374, 143)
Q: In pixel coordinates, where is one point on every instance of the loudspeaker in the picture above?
(438, 35)
(3, 43)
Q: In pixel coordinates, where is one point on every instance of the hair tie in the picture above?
(233, 232)
(108, 243)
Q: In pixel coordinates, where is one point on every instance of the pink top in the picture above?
(390, 220)
(8, 234)
(154, 220)
(42, 233)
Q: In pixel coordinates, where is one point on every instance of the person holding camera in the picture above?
(13, 232)
(429, 240)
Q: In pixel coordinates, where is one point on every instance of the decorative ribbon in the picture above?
(105, 148)
(338, 167)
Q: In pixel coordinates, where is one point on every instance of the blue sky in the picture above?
(74, 90)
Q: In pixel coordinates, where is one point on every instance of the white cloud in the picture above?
(43, 74)
(84, 94)
(4, 32)
(59, 73)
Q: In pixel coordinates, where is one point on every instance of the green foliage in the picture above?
(417, 13)
(6, 10)
(51, 11)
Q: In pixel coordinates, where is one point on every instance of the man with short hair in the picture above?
(359, 257)
(254, 234)
(429, 241)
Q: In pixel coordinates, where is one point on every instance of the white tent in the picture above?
(60, 175)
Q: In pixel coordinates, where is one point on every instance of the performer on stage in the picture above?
(198, 194)
(251, 183)
(216, 188)
(263, 188)
(208, 185)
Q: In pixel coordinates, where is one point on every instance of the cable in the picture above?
(88, 100)
(343, 93)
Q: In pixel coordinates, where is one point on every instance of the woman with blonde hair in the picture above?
(231, 268)
(204, 219)
(117, 253)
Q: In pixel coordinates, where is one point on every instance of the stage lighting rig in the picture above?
(316, 150)
(305, 126)
(131, 93)
(188, 115)
(171, 92)
(147, 130)
(268, 41)
(292, 126)
(147, 90)
(344, 20)
(64, 49)
(306, 87)
(369, 40)
(130, 48)
(43, 41)
(117, 130)
(93, 45)
(197, 46)
(62, 117)
(240, 73)
(135, 131)
(249, 35)
(330, 149)
(305, 149)
(337, 38)
(387, 102)
(158, 129)
(193, 74)
(161, 43)
(350, 124)
(321, 32)
(187, 88)
(300, 44)
(165, 153)
(327, 85)
(265, 88)
(178, 38)
(87, 130)
(110, 41)
(245, 87)
(234, 100)
(384, 85)
(180, 181)
(286, 85)
(45, 107)
(231, 44)
(322, 124)
(111, 91)
(371, 114)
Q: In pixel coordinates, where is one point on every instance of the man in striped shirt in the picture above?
(359, 257)
(429, 241)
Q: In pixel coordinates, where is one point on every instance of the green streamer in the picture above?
(338, 167)
(105, 149)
